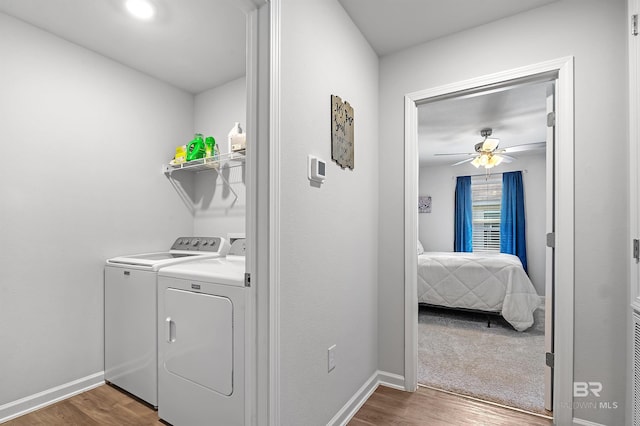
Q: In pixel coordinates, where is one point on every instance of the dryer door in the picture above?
(199, 339)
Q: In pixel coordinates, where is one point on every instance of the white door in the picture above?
(634, 148)
(549, 261)
(198, 344)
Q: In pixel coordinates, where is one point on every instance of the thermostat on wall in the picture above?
(317, 169)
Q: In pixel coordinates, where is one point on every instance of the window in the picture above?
(486, 195)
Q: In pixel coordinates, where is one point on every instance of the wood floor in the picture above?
(106, 405)
(435, 408)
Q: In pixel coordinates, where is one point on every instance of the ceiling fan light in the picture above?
(476, 162)
(484, 159)
(490, 144)
(497, 159)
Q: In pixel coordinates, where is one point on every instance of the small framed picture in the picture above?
(424, 204)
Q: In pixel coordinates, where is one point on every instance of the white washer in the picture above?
(202, 319)
(130, 312)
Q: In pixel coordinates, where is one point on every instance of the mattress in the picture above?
(494, 282)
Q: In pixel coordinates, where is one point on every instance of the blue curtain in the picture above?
(463, 233)
(512, 222)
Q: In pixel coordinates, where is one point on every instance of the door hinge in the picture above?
(634, 25)
(551, 239)
(550, 359)
(551, 119)
(636, 250)
(247, 279)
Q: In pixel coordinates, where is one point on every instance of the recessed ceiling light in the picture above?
(141, 9)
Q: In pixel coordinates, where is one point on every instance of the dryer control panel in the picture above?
(208, 244)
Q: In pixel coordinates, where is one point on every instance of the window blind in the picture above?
(486, 196)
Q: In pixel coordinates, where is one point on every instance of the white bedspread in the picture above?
(486, 282)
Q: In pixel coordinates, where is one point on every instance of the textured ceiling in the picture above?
(193, 44)
(393, 25)
(517, 116)
(200, 44)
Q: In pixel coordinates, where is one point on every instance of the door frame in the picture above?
(562, 70)
(633, 7)
(549, 255)
(258, 377)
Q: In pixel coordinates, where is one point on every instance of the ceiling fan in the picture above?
(488, 155)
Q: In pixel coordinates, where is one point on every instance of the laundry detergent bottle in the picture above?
(209, 146)
(196, 148)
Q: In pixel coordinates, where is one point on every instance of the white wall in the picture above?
(594, 32)
(83, 142)
(435, 229)
(329, 255)
(218, 212)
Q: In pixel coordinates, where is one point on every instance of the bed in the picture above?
(488, 282)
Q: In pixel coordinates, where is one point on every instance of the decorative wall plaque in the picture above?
(341, 132)
(424, 204)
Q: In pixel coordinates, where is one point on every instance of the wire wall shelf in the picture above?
(218, 162)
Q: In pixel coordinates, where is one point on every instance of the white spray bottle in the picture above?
(233, 135)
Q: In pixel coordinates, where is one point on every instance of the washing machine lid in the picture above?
(223, 270)
(183, 249)
(156, 260)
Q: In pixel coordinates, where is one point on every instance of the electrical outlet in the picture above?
(331, 356)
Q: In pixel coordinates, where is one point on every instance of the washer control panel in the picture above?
(208, 244)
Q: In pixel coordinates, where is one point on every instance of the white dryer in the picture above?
(202, 319)
(130, 312)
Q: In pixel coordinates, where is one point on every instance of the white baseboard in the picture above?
(34, 402)
(580, 422)
(391, 380)
(352, 406)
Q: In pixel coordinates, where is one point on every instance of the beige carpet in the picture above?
(458, 353)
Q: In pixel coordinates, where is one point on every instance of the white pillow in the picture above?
(420, 248)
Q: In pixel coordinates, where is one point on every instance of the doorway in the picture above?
(560, 71)
(482, 323)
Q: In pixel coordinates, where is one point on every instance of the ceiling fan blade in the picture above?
(526, 147)
(462, 162)
(507, 158)
(456, 153)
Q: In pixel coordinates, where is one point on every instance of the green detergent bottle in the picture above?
(196, 148)
(209, 146)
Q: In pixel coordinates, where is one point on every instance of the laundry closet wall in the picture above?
(83, 142)
(218, 211)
